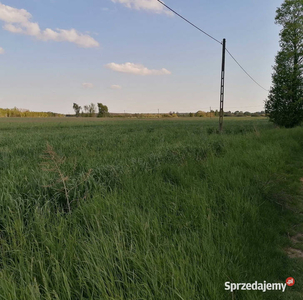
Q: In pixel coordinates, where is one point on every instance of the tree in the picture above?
(284, 105)
(77, 109)
(86, 109)
(92, 109)
(200, 114)
(103, 110)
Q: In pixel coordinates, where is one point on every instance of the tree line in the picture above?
(25, 113)
(91, 110)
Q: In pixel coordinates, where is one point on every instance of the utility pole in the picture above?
(222, 87)
(210, 112)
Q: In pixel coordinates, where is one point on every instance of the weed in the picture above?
(61, 182)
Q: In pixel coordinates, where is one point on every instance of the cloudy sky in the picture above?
(134, 55)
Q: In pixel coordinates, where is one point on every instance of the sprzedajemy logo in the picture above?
(259, 286)
(290, 281)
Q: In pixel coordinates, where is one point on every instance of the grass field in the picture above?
(148, 209)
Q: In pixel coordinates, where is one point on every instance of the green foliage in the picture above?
(77, 109)
(284, 105)
(92, 109)
(103, 110)
(170, 210)
(200, 113)
(24, 113)
(88, 110)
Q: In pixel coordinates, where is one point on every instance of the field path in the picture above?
(295, 248)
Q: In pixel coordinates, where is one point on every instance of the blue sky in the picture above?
(133, 56)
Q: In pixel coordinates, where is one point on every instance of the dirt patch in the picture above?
(297, 239)
(294, 253)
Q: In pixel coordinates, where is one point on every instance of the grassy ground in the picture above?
(148, 209)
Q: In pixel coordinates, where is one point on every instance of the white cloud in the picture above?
(116, 87)
(12, 28)
(13, 15)
(151, 5)
(18, 21)
(136, 69)
(2, 50)
(87, 85)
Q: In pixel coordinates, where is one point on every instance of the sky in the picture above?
(135, 55)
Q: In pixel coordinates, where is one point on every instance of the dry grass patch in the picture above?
(294, 253)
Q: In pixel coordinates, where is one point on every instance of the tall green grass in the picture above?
(171, 210)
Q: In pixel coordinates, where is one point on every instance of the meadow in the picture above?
(147, 209)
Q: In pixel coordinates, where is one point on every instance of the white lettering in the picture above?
(283, 287)
(255, 286)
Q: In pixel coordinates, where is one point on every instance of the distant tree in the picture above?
(86, 109)
(92, 109)
(103, 110)
(200, 114)
(227, 114)
(284, 105)
(77, 109)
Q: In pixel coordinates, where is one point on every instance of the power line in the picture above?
(245, 71)
(214, 40)
(244, 106)
(229, 107)
(189, 22)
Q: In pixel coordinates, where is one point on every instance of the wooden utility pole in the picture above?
(222, 87)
